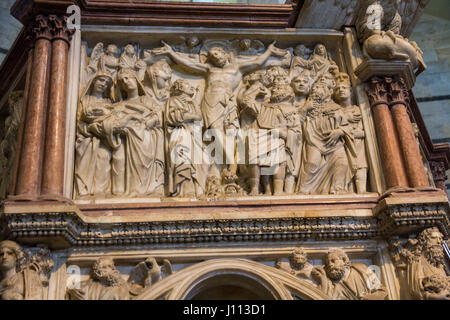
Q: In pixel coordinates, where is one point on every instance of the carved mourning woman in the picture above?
(319, 63)
(159, 75)
(138, 158)
(183, 120)
(93, 155)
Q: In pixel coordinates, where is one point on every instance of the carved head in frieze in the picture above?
(298, 258)
(337, 264)
(106, 272)
(129, 50)
(320, 50)
(10, 256)
(320, 92)
(430, 241)
(302, 83)
(112, 50)
(182, 86)
(342, 89)
(218, 57)
(191, 42)
(129, 82)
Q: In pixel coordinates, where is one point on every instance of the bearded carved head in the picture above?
(337, 264)
(104, 271)
(430, 242)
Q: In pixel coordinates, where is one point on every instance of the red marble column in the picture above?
(391, 158)
(415, 169)
(29, 173)
(53, 166)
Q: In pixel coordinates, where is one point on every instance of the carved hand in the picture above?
(318, 274)
(333, 137)
(166, 49)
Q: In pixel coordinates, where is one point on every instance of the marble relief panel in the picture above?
(214, 118)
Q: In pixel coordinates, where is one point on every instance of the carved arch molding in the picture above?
(274, 283)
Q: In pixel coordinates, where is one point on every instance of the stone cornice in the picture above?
(62, 226)
(124, 12)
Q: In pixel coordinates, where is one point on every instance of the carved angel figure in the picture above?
(106, 282)
(22, 278)
(129, 60)
(318, 63)
(298, 264)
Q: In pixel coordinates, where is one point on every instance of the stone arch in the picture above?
(272, 283)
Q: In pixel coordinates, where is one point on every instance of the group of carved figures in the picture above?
(276, 121)
(420, 268)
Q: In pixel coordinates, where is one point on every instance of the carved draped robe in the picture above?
(24, 285)
(93, 157)
(138, 160)
(360, 282)
(185, 152)
(332, 173)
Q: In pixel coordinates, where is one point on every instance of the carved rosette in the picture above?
(58, 27)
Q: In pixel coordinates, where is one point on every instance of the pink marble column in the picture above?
(415, 168)
(388, 142)
(30, 163)
(53, 166)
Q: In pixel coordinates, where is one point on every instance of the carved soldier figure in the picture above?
(325, 167)
(298, 264)
(425, 274)
(183, 121)
(342, 279)
(268, 148)
(106, 282)
(19, 280)
(355, 147)
(93, 150)
(223, 75)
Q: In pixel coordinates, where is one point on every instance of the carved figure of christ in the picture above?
(223, 75)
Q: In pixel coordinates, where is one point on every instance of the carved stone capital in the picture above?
(377, 91)
(398, 92)
(41, 28)
(59, 30)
